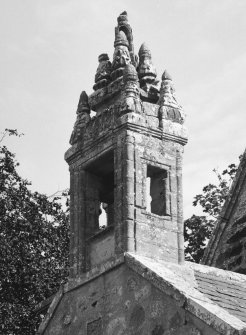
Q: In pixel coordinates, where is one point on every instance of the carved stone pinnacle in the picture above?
(103, 73)
(83, 105)
(146, 69)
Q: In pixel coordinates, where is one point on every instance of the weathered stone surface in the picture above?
(169, 108)
(83, 117)
(136, 125)
(103, 74)
(127, 273)
(102, 250)
(143, 297)
(146, 70)
(127, 303)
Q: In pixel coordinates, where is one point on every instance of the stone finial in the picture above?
(124, 25)
(124, 37)
(103, 73)
(122, 17)
(121, 55)
(167, 91)
(83, 117)
(169, 107)
(146, 69)
(83, 105)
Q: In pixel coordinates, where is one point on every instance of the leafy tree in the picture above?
(33, 247)
(198, 229)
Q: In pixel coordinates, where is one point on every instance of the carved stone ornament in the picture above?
(83, 117)
(169, 107)
(103, 73)
(121, 55)
(122, 18)
(167, 92)
(124, 25)
(83, 105)
(146, 69)
(131, 102)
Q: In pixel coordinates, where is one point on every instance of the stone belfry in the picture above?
(127, 274)
(126, 162)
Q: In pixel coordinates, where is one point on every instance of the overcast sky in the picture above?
(49, 51)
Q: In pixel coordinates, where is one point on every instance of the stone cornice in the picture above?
(125, 123)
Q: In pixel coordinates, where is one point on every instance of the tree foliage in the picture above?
(198, 229)
(34, 247)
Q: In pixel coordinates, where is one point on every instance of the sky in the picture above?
(48, 55)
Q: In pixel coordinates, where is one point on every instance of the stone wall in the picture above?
(121, 302)
(117, 152)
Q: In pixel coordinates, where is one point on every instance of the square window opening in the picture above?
(100, 193)
(157, 190)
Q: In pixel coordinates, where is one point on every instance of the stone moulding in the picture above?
(73, 154)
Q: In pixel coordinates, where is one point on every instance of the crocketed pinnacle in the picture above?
(146, 69)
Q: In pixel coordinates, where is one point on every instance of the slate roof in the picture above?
(227, 293)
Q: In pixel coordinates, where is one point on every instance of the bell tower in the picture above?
(126, 162)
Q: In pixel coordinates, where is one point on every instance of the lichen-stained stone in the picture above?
(140, 296)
